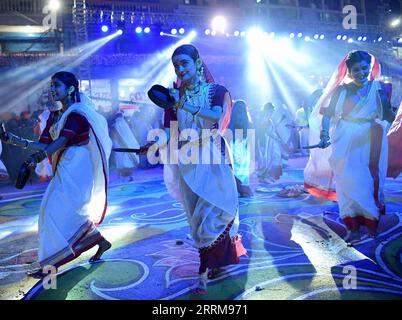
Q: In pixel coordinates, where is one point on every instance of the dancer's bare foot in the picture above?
(201, 285)
(104, 245)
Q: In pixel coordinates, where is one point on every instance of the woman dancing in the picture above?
(355, 120)
(207, 191)
(76, 138)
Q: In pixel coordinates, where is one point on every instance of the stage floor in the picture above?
(295, 247)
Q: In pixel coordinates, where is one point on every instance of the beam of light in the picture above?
(323, 258)
(219, 24)
(282, 56)
(54, 5)
(257, 77)
(116, 231)
(156, 69)
(286, 94)
(20, 80)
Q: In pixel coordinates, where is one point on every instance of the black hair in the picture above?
(187, 49)
(357, 56)
(69, 79)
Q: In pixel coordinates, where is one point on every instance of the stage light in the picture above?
(338, 37)
(138, 30)
(161, 33)
(395, 23)
(219, 23)
(359, 38)
(119, 32)
(105, 28)
(147, 30)
(213, 33)
(54, 5)
(379, 39)
(316, 36)
(173, 31)
(400, 40)
(207, 32)
(344, 38)
(236, 33)
(307, 38)
(364, 38)
(350, 40)
(181, 30)
(300, 34)
(242, 34)
(255, 35)
(322, 37)
(292, 35)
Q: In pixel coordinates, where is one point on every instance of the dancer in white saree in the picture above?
(207, 191)
(240, 120)
(123, 137)
(44, 168)
(273, 141)
(3, 170)
(75, 200)
(352, 170)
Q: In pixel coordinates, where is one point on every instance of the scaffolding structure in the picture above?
(81, 33)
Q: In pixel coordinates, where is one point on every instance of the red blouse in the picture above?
(76, 129)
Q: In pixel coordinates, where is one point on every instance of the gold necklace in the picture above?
(193, 93)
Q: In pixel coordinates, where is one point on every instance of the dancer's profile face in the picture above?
(359, 72)
(185, 67)
(58, 90)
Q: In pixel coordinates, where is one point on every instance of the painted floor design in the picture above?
(295, 248)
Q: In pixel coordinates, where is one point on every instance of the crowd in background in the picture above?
(280, 134)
